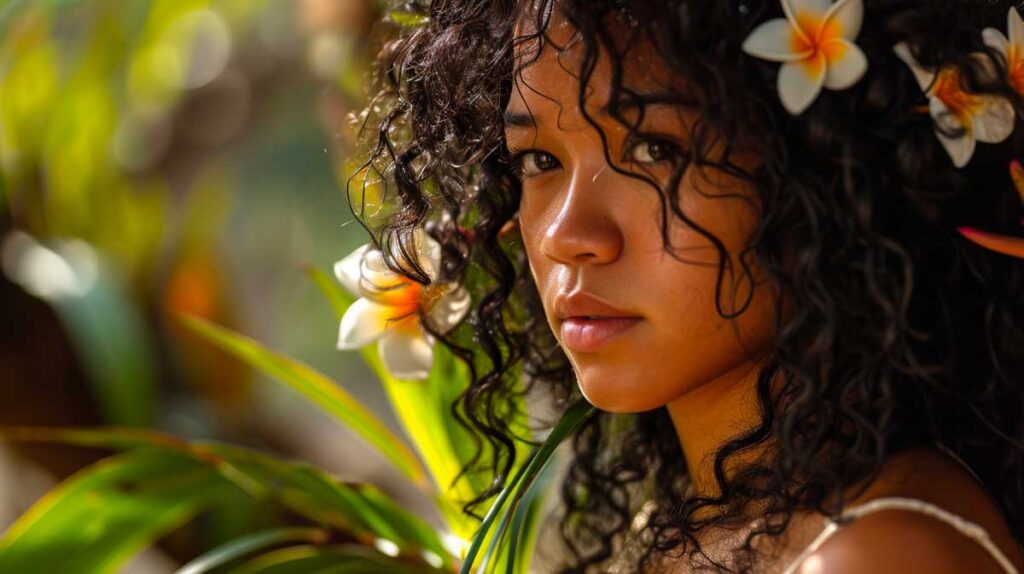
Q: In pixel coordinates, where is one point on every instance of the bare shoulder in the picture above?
(900, 541)
(908, 541)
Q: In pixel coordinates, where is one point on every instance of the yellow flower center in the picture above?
(1015, 63)
(405, 298)
(960, 103)
(818, 35)
(430, 295)
(400, 295)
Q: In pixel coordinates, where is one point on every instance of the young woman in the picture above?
(772, 241)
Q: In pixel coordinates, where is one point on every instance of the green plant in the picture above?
(97, 519)
(67, 101)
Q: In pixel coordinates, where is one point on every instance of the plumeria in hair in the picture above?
(392, 307)
(815, 44)
(1011, 46)
(961, 118)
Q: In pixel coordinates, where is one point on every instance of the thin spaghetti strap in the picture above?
(963, 526)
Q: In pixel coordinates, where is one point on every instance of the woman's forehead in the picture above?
(549, 65)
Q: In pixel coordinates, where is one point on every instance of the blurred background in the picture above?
(168, 156)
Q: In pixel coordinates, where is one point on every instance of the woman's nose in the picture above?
(584, 229)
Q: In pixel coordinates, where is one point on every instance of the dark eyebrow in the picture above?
(519, 120)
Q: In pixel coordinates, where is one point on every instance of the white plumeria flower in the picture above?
(392, 306)
(815, 43)
(1011, 48)
(980, 117)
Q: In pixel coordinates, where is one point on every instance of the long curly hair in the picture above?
(901, 333)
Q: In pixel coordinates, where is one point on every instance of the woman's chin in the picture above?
(623, 390)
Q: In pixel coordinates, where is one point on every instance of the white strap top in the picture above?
(965, 527)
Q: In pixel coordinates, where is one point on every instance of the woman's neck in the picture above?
(708, 416)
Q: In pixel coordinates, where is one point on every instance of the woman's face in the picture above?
(639, 325)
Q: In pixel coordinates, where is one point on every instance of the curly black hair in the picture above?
(901, 332)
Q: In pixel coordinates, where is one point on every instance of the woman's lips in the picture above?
(588, 334)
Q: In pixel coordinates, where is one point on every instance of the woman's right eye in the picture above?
(534, 162)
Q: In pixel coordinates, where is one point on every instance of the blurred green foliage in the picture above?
(164, 155)
(168, 170)
(128, 501)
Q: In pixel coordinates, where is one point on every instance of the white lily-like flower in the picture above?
(980, 117)
(391, 307)
(815, 43)
(1012, 47)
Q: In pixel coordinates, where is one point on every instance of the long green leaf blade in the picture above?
(336, 560)
(571, 420)
(96, 520)
(244, 545)
(525, 525)
(359, 511)
(311, 492)
(338, 298)
(319, 389)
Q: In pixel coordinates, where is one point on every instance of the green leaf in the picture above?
(292, 560)
(319, 496)
(319, 389)
(108, 437)
(100, 517)
(359, 511)
(241, 546)
(333, 292)
(424, 415)
(571, 420)
(337, 560)
(407, 19)
(526, 525)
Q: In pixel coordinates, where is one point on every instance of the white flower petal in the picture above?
(773, 41)
(847, 67)
(945, 120)
(797, 9)
(429, 253)
(994, 121)
(994, 39)
(812, 6)
(960, 147)
(450, 309)
(374, 262)
(848, 15)
(363, 323)
(347, 271)
(407, 353)
(924, 77)
(375, 274)
(383, 286)
(800, 82)
(1015, 28)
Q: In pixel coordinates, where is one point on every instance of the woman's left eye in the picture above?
(650, 150)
